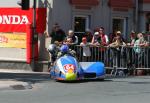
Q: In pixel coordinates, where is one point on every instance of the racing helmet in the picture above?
(64, 48)
(52, 48)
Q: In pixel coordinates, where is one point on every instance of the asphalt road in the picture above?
(45, 90)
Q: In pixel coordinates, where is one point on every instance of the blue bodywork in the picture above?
(68, 68)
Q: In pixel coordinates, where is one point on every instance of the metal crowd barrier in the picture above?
(122, 57)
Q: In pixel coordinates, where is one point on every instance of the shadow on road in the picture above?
(86, 80)
(26, 77)
(40, 77)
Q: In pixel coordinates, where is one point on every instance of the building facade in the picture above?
(79, 15)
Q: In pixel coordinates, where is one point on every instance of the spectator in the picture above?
(100, 38)
(88, 35)
(140, 42)
(132, 38)
(147, 34)
(86, 49)
(111, 37)
(95, 42)
(117, 49)
(148, 39)
(103, 36)
(117, 41)
(96, 39)
(130, 54)
(139, 51)
(104, 42)
(96, 29)
(71, 39)
(57, 34)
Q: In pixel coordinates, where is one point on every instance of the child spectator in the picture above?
(86, 49)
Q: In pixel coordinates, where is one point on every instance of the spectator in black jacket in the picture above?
(57, 34)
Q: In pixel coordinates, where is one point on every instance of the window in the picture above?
(81, 23)
(120, 24)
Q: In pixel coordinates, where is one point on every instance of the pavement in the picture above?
(12, 84)
(16, 54)
(16, 79)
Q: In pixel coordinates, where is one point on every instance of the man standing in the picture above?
(57, 37)
(57, 34)
(104, 37)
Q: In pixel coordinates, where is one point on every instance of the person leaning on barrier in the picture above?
(86, 49)
(103, 42)
(96, 39)
(119, 44)
(132, 38)
(104, 38)
(95, 43)
(88, 34)
(117, 41)
(71, 39)
(117, 48)
(139, 47)
(100, 38)
(140, 42)
(129, 53)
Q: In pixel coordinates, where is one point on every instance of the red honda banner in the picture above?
(15, 19)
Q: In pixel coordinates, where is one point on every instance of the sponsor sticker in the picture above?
(69, 68)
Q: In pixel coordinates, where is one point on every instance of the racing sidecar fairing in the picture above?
(67, 68)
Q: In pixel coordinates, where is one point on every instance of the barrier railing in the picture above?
(121, 57)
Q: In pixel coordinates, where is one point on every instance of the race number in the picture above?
(69, 68)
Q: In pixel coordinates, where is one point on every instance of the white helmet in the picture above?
(52, 48)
